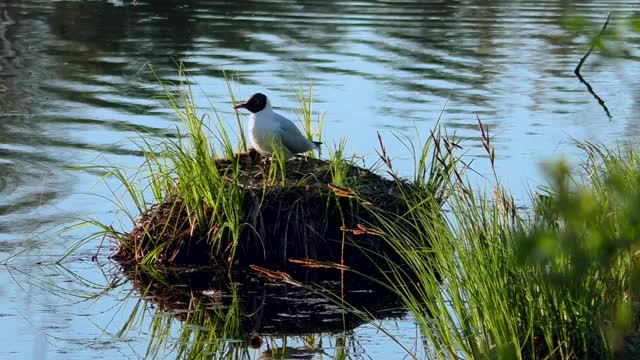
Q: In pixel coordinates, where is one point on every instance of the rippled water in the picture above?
(75, 86)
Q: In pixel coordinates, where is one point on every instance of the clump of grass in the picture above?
(212, 205)
(190, 189)
(339, 165)
(305, 114)
(277, 166)
(560, 282)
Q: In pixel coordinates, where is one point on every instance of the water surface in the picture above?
(75, 86)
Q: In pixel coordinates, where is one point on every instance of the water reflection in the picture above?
(196, 312)
(226, 318)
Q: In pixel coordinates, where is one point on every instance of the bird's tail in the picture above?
(317, 144)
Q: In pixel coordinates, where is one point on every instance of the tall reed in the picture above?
(490, 281)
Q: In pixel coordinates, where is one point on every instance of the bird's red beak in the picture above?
(240, 106)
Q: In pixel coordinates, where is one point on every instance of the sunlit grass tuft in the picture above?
(181, 167)
(306, 112)
(339, 165)
(489, 281)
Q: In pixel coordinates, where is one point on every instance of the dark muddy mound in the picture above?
(295, 214)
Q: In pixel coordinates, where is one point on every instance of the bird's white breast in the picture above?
(262, 129)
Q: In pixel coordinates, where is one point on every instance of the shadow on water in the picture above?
(193, 313)
(226, 314)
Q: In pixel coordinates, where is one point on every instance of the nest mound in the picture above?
(300, 215)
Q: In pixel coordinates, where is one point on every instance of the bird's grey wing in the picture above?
(292, 138)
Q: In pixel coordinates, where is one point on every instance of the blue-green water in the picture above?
(75, 86)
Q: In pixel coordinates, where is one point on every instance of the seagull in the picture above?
(268, 129)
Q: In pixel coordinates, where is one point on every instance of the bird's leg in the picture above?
(264, 164)
(303, 157)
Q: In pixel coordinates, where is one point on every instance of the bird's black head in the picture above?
(255, 104)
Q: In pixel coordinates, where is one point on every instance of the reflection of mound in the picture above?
(298, 214)
(263, 308)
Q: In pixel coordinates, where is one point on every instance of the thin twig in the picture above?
(593, 42)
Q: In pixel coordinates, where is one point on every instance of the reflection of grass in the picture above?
(209, 326)
(204, 332)
(191, 313)
(492, 282)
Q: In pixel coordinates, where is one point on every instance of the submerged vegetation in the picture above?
(482, 277)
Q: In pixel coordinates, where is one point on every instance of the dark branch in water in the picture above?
(598, 98)
(584, 58)
(593, 42)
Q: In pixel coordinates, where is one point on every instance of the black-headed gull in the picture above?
(268, 129)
